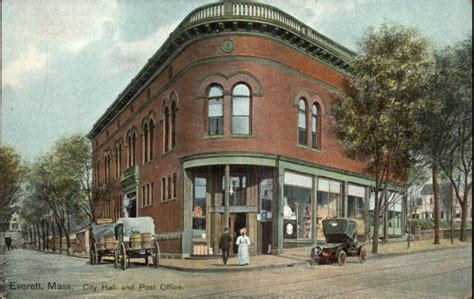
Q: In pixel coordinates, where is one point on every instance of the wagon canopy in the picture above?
(140, 224)
(339, 230)
(102, 230)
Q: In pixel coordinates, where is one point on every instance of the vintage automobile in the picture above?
(340, 243)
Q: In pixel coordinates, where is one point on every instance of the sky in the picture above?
(64, 62)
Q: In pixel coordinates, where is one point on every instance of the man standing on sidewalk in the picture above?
(224, 245)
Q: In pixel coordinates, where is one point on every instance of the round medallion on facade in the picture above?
(227, 46)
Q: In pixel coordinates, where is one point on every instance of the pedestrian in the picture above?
(243, 242)
(224, 245)
(8, 242)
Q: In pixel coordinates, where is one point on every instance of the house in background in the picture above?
(424, 204)
(11, 229)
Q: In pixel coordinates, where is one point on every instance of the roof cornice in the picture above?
(236, 16)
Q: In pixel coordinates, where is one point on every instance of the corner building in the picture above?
(229, 124)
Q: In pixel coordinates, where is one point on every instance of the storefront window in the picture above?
(266, 197)
(199, 203)
(237, 191)
(297, 213)
(329, 197)
(355, 201)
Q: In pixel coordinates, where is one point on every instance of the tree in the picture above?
(11, 174)
(375, 115)
(451, 96)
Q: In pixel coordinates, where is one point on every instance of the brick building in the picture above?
(230, 124)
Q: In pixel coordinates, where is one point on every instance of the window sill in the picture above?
(168, 200)
(169, 151)
(241, 136)
(302, 146)
(316, 150)
(213, 136)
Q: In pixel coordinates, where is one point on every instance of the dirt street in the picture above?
(443, 273)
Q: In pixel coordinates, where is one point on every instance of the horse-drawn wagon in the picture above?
(128, 238)
(136, 240)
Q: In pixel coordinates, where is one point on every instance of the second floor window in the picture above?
(146, 133)
(215, 111)
(173, 124)
(302, 122)
(241, 110)
(166, 129)
(314, 127)
(118, 160)
(131, 144)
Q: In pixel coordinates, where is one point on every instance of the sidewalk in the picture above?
(292, 257)
(300, 256)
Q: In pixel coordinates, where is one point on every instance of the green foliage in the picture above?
(11, 174)
(56, 185)
(376, 116)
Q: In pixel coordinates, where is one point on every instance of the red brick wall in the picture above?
(274, 119)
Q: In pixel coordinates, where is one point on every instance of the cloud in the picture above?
(35, 30)
(126, 55)
(30, 61)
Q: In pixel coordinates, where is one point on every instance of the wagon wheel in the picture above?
(362, 254)
(116, 256)
(122, 255)
(341, 257)
(156, 254)
(93, 254)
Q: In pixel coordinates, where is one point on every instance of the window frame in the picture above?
(302, 131)
(220, 99)
(248, 97)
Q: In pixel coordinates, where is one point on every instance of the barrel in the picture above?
(102, 243)
(109, 242)
(147, 240)
(135, 240)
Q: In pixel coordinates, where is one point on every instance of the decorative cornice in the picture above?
(231, 17)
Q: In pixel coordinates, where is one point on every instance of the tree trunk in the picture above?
(46, 223)
(60, 230)
(39, 236)
(33, 235)
(375, 237)
(385, 223)
(434, 175)
(68, 243)
(464, 205)
(53, 231)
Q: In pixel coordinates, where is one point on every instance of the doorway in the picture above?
(236, 222)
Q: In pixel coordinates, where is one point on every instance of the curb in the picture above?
(387, 255)
(238, 269)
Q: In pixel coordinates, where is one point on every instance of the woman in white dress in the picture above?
(243, 242)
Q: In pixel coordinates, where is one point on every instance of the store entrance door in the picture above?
(236, 222)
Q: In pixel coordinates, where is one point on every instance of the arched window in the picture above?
(302, 122)
(215, 111)
(131, 144)
(315, 127)
(173, 124)
(146, 133)
(107, 166)
(129, 150)
(167, 129)
(241, 110)
(97, 171)
(118, 160)
(134, 144)
(150, 139)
